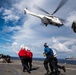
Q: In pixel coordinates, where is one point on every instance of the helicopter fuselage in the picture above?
(46, 19)
(52, 21)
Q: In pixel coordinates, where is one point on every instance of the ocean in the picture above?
(64, 61)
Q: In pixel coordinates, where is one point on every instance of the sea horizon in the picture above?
(64, 61)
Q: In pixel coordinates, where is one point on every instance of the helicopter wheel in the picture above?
(58, 26)
(45, 24)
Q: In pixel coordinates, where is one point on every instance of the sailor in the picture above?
(23, 56)
(49, 59)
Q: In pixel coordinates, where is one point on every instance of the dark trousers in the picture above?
(53, 63)
(24, 62)
(56, 64)
(29, 62)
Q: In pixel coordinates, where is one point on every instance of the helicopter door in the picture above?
(45, 21)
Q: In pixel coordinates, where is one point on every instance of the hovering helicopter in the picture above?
(49, 18)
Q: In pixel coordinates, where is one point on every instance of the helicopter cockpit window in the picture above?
(55, 18)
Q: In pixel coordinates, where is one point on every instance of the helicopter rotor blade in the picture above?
(60, 5)
(63, 20)
(39, 8)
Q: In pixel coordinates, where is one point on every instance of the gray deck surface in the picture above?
(38, 69)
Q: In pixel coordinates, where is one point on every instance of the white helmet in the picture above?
(45, 45)
(22, 46)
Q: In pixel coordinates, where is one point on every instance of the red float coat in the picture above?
(29, 54)
(22, 52)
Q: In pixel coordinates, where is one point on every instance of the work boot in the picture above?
(28, 71)
(51, 73)
(23, 70)
(57, 72)
(48, 73)
(63, 67)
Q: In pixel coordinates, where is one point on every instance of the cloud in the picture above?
(8, 40)
(32, 34)
(61, 47)
(64, 46)
(15, 47)
(1, 9)
(71, 17)
(10, 29)
(74, 48)
(69, 42)
(9, 15)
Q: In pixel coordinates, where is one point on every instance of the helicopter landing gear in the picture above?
(46, 25)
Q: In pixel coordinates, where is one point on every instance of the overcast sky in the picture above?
(17, 28)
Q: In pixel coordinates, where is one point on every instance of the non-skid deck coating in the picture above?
(38, 69)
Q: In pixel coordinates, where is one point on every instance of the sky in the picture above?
(17, 28)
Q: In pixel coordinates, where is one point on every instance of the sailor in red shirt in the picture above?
(22, 54)
(29, 58)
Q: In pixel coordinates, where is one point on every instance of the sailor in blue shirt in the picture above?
(49, 59)
(48, 51)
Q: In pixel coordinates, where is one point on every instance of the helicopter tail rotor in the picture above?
(25, 10)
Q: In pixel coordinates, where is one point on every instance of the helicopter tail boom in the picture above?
(26, 11)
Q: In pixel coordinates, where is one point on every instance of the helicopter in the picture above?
(48, 19)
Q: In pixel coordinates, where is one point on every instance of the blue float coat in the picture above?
(48, 51)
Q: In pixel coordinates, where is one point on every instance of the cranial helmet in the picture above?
(23, 46)
(45, 45)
